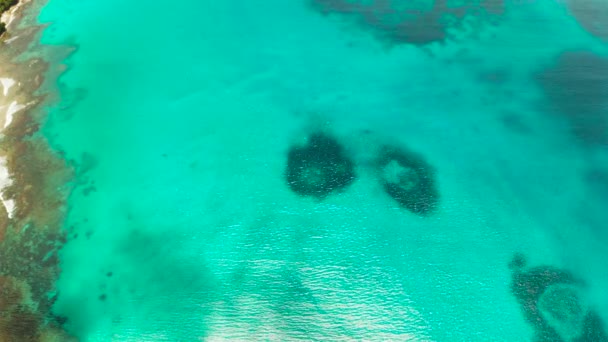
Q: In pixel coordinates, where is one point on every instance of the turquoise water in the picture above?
(179, 119)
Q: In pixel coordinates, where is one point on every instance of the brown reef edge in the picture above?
(38, 186)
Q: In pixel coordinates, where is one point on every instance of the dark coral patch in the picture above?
(593, 329)
(529, 286)
(591, 15)
(550, 303)
(577, 89)
(412, 22)
(319, 168)
(408, 179)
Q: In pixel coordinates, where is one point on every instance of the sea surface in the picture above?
(180, 119)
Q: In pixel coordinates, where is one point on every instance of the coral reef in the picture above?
(550, 300)
(412, 22)
(408, 179)
(319, 168)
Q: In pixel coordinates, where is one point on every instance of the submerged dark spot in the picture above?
(319, 168)
(597, 181)
(87, 163)
(103, 297)
(59, 319)
(88, 190)
(549, 298)
(408, 179)
(494, 76)
(515, 123)
(109, 274)
(518, 262)
(577, 89)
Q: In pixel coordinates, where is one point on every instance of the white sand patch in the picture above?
(12, 39)
(13, 108)
(5, 181)
(7, 83)
(9, 204)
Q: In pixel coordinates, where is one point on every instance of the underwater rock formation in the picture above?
(577, 88)
(319, 168)
(412, 22)
(551, 302)
(408, 179)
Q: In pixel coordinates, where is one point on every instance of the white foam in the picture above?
(7, 83)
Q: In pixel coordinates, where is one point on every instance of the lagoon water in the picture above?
(178, 118)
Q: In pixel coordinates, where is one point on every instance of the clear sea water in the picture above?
(179, 115)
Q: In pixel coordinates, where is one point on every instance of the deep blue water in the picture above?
(180, 119)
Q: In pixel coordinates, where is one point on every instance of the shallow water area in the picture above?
(182, 226)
